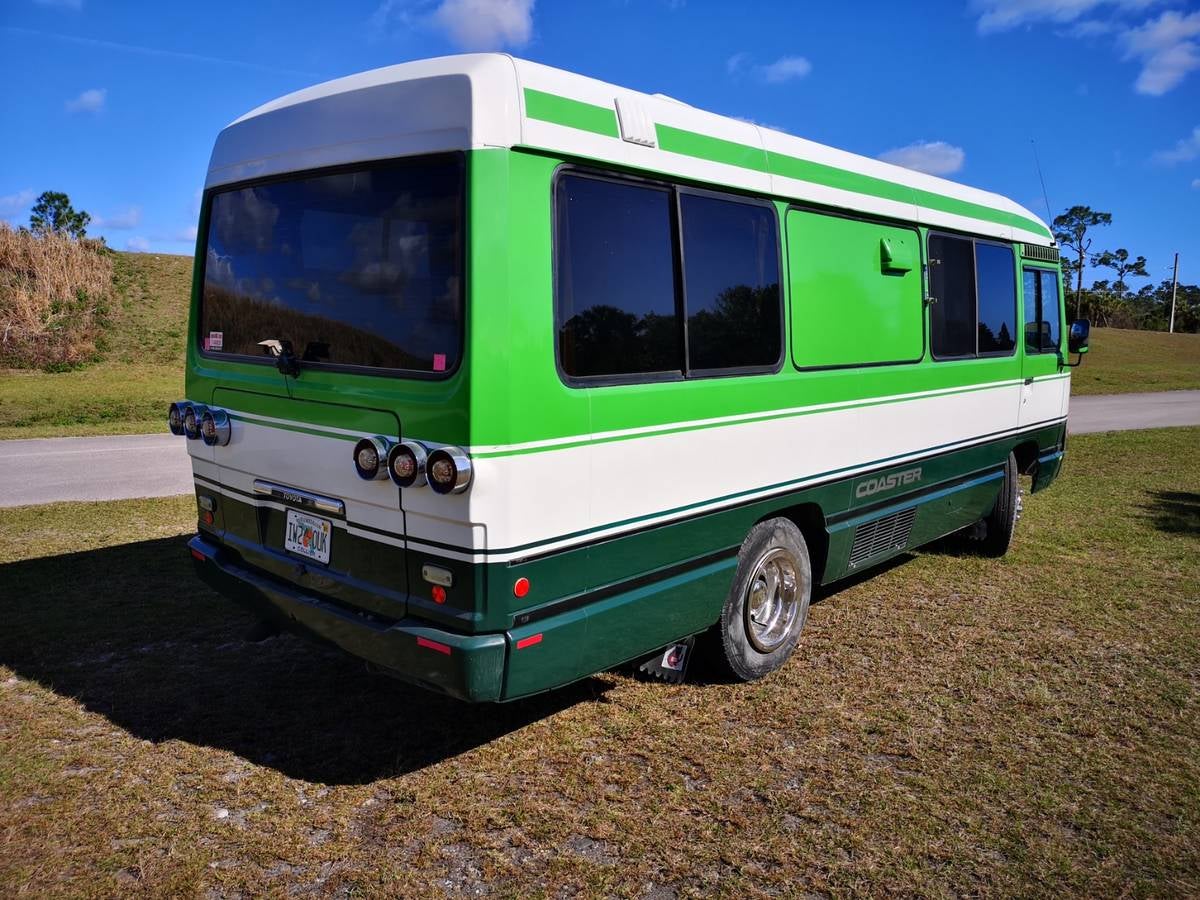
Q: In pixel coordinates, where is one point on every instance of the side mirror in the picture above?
(1077, 337)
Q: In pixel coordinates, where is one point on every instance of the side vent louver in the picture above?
(1036, 251)
(881, 536)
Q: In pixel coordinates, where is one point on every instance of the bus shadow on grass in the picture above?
(131, 634)
(1174, 512)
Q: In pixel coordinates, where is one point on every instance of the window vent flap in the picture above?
(1036, 251)
(880, 536)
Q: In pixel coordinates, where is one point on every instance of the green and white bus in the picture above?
(499, 376)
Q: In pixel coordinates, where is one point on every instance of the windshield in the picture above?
(358, 267)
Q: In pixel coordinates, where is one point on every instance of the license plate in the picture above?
(308, 536)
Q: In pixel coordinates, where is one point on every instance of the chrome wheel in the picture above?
(772, 600)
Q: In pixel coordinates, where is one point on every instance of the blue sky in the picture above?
(118, 103)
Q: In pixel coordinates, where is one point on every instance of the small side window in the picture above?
(731, 284)
(616, 279)
(1042, 328)
(952, 284)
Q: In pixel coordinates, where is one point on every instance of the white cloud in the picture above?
(61, 4)
(122, 221)
(1185, 150)
(469, 24)
(16, 203)
(737, 63)
(91, 100)
(138, 245)
(1167, 50)
(784, 69)
(1002, 15)
(931, 157)
(1196, 184)
(761, 124)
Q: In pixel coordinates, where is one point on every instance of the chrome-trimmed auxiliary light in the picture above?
(175, 416)
(448, 470)
(191, 420)
(406, 464)
(370, 457)
(215, 428)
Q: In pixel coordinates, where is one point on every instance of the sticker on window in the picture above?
(439, 362)
(215, 340)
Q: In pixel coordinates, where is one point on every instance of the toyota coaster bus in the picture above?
(499, 376)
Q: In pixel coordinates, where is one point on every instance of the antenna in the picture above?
(1037, 162)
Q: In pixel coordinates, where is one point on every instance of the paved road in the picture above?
(156, 465)
(93, 468)
(1123, 412)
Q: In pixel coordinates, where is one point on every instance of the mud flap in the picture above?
(671, 662)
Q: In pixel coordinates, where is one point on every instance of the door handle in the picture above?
(1029, 381)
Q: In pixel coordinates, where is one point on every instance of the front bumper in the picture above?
(469, 667)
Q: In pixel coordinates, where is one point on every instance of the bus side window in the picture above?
(974, 285)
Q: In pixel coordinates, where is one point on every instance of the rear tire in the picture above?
(768, 602)
(1001, 522)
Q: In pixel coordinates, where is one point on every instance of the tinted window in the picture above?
(997, 283)
(360, 267)
(615, 278)
(952, 284)
(731, 281)
(1041, 311)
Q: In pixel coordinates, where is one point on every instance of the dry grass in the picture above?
(141, 371)
(54, 295)
(954, 725)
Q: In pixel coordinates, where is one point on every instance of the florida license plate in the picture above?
(308, 536)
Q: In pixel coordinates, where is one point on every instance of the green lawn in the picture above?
(1122, 362)
(141, 370)
(953, 725)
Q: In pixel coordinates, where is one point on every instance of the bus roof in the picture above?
(476, 101)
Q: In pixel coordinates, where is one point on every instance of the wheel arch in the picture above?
(810, 519)
(1026, 453)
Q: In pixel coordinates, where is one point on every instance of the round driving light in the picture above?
(191, 420)
(449, 470)
(214, 427)
(369, 456)
(175, 416)
(406, 464)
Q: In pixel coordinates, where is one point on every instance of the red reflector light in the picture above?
(529, 641)
(433, 645)
(206, 517)
(439, 594)
(520, 587)
(198, 556)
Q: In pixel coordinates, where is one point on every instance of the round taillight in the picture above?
(191, 420)
(370, 455)
(406, 464)
(175, 416)
(449, 470)
(215, 428)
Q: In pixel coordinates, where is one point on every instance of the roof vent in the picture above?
(636, 126)
(1036, 251)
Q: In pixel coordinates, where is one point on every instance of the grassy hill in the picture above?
(140, 370)
(1122, 362)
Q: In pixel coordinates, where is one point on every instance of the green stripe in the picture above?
(603, 120)
(571, 113)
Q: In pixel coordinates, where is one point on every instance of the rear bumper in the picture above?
(469, 667)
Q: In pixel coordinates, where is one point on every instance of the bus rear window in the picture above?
(359, 267)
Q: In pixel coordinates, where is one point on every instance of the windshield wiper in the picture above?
(285, 359)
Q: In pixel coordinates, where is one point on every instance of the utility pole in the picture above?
(1174, 285)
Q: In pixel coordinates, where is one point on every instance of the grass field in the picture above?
(141, 370)
(954, 725)
(1123, 362)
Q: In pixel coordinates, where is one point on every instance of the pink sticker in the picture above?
(216, 340)
(439, 362)
(206, 343)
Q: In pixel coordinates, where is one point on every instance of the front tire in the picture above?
(768, 601)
